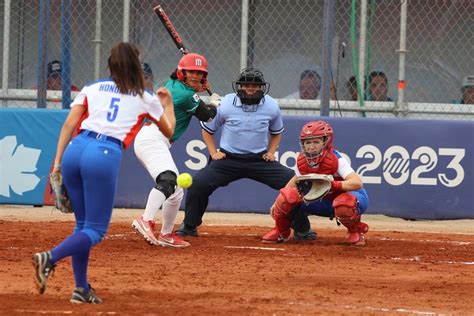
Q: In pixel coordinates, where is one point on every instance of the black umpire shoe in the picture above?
(308, 235)
(186, 230)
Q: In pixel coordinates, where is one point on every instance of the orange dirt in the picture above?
(225, 272)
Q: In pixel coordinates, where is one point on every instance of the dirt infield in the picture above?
(407, 267)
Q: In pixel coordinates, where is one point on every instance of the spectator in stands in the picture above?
(378, 86)
(467, 90)
(310, 86)
(54, 79)
(148, 73)
(333, 91)
(352, 88)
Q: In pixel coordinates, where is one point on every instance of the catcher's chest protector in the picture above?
(327, 166)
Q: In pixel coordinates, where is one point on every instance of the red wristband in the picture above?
(336, 186)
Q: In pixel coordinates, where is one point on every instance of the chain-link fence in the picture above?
(281, 37)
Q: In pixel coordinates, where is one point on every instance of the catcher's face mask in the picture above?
(312, 131)
(313, 145)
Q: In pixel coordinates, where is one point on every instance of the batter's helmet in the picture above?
(312, 130)
(191, 61)
(250, 76)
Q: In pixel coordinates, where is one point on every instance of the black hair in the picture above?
(310, 73)
(374, 74)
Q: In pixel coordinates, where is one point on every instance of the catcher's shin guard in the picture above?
(281, 209)
(345, 209)
(283, 223)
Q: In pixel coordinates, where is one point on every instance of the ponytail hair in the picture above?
(125, 68)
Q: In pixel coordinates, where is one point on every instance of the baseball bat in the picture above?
(178, 41)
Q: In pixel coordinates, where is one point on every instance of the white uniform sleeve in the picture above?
(344, 168)
(80, 98)
(154, 106)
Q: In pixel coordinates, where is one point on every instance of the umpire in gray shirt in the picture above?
(251, 124)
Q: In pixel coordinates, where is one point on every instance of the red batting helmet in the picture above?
(317, 129)
(191, 62)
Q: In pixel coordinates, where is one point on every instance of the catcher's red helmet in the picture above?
(191, 61)
(317, 129)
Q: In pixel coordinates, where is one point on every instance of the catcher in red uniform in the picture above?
(325, 184)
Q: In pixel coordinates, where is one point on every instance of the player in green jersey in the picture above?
(153, 149)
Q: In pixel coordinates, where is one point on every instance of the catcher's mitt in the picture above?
(61, 200)
(313, 186)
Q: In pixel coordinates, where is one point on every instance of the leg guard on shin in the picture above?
(284, 203)
(166, 182)
(281, 211)
(345, 210)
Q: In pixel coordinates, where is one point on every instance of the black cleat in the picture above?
(80, 296)
(186, 230)
(309, 235)
(43, 269)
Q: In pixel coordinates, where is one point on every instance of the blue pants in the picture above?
(90, 169)
(323, 207)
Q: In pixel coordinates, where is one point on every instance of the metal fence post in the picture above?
(6, 46)
(400, 107)
(43, 43)
(97, 40)
(362, 51)
(244, 34)
(329, 6)
(66, 43)
(126, 20)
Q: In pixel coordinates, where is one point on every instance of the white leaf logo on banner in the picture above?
(17, 167)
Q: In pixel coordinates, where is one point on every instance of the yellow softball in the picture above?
(184, 180)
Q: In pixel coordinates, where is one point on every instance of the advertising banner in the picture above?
(414, 169)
